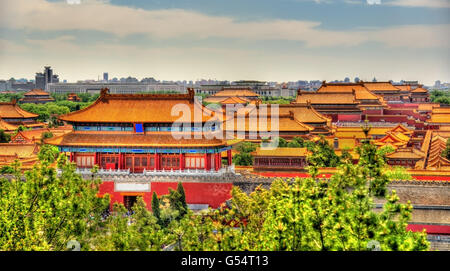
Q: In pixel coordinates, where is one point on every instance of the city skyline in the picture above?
(189, 40)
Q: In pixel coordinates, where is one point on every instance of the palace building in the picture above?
(73, 97)
(26, 154)
(385, 89)
(280, 159)
(36, 96)
(368, 101)
(293, 120)
(136, 132)
(240, 95)
(7, 127)
(440, 117)
(11, 113)
(36, 135)
(335, 105)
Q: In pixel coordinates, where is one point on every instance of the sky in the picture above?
(269, 40)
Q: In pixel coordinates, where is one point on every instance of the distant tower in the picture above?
(105, 76)
(357, 80)
(347, 80)
(374, 79)
(39, 80)
(48, 73)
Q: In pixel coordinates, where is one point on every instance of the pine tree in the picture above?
(446, 151)
(182, 200)
(4, 137)
(155, 207)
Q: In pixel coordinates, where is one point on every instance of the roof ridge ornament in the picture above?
(191, 94)
(103, 93)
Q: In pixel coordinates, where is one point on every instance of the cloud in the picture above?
(169, 24)
(374, 2)
(420, 3)
(73, 2)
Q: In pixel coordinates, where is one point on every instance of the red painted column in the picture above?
(207, 161)
(182, 161)
(217, 161)
(229, 157)
(205, 157)
(119, 161)
(71, 157)
(95, 158)
(157, 158)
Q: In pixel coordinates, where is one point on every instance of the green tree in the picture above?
(246, 147)
(155, 207)
(346, 156)
(294, 144)
(4, 137)
(446, 151)
(335, 214)
(41, 210)
(243, 159)
(322, 154)
(182, 199)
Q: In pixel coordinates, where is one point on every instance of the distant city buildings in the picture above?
(50, 82)
(119, 87)
(42, 79)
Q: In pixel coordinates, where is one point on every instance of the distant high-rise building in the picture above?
(105, 76)
(437, 83)
(40, 80)
(149, 80)
(48, 73)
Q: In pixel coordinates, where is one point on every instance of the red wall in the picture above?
(213, 194)
(406, 105)
(373, 112)
(343, 117)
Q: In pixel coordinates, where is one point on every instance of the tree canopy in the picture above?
(43, 210)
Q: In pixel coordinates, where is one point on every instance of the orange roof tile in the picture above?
(35, 135)
(440, 115)
(20, 150)
(234, 100)
(241, 92)
(406, 153)
(380, 86)
(403, 87)
(7, 126)
(303, 113)
(427, 106)
(394, 139)
(10, 110)
(419, 90)
(436, 146)
(281, 152)
(402, 129)
(306, 97)
(35, 92)
(361, 92)
(155, 139)
(140, 108)
(358, 133)
(285, 124)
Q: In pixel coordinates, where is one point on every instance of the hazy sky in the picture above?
(271, 40)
